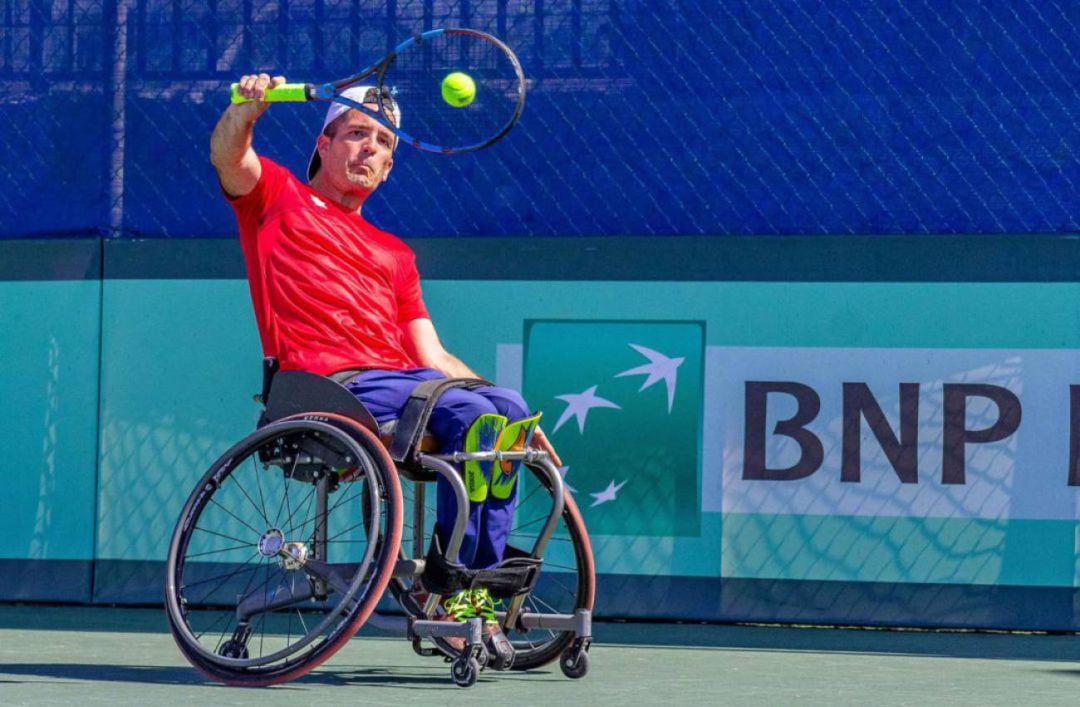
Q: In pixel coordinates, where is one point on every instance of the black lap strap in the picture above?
(348, 375)
(417, 411)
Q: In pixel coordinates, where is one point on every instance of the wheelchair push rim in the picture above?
(291, 523)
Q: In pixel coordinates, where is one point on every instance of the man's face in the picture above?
(359, 154)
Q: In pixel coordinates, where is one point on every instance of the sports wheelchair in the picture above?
(290, 541)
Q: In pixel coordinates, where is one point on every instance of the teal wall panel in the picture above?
(180, 363)
(1018, 552)
(108, 448)
(49, 404)
(476, 317)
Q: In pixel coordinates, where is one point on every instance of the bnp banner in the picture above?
(971, 433)
(900, 465)
(926, 465)
(623, 401)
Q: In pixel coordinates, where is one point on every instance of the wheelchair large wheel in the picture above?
(276, 561)
(567, 581)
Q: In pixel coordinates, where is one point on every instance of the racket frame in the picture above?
(332, 91)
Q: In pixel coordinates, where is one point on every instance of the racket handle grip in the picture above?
(286, 92)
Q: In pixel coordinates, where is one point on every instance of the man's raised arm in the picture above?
(231, 152)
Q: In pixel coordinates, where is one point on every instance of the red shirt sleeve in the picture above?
(410, 297)
(251, 207)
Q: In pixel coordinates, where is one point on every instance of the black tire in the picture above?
(567, 581)
(262, 495)
(574, 664)
(464, 671)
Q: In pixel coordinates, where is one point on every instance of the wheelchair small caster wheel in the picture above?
(233, 649)
(574, 663)
(464, 671)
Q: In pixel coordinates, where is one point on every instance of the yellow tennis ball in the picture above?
(458, 89)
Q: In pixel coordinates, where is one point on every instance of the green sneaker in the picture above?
(472, 603)
(484, 605)
(460, 606)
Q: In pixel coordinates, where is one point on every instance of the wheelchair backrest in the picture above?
(295, 392)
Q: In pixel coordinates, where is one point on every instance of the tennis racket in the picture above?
(411, 77)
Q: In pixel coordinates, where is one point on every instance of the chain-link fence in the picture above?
(688, 117)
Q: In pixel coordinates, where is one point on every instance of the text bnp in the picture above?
(900, 446)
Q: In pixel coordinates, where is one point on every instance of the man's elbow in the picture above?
(237, 177)
(222, 158)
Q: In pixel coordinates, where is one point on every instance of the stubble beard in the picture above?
(361, 177)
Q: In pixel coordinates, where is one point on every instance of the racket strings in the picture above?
(415, 80)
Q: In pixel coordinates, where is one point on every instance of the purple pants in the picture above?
(385, 393)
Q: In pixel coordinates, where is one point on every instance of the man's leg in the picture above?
(465, 421)
(498, 513)
(385, 393)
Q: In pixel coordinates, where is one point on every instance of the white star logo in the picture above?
(318, 202)
(579, 405)
(607, 494)
(659, 368)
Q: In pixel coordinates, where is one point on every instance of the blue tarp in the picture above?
(650, 118)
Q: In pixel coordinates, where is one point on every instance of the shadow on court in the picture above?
(107, 673)
(644, 635)
(948, 644)
(185, 675)
(93, 656)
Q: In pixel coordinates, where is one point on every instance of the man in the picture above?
(333, 293)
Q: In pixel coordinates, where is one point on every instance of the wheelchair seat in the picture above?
(299, 392)
(295, 392)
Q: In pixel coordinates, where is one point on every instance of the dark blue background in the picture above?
(643, 118)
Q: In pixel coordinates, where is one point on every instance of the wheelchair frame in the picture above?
(317, 433)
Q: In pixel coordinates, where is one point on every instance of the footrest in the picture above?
(516, 574)
(513, 576)
(580, 622)
(470, 630)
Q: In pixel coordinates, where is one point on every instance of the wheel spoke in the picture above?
(224, 549)
(223, 535)
(240, 486)
(238, 518)
(259, 468)
(306, 501)
(519, 527)
(286, 478)
(224, 577)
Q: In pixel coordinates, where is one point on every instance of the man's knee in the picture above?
(507, 402)
(458, 409)
(455, 412)
(466, 405)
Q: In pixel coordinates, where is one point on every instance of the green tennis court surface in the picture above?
(87, 656)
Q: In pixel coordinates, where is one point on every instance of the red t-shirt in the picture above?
(330, 290)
